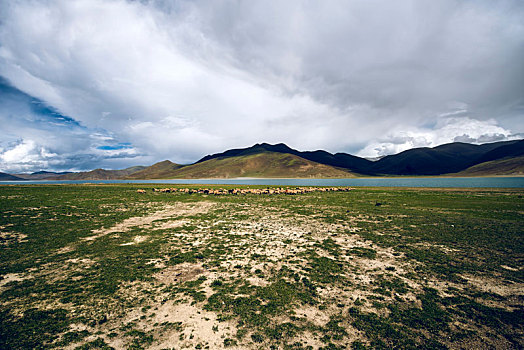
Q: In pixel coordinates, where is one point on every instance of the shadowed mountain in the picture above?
(9, 177)
(99, 174)
(41, 175)
(511, 149)
(443, 159)
(340, 160)
(265, 160)
(513, 166)
(160, 170)
(448, 158)
(260, 164)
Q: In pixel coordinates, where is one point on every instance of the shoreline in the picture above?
(279, 178)
(515, 182)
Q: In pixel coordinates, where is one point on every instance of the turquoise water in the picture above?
(481, 182)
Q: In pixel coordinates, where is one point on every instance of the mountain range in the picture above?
(279, 160)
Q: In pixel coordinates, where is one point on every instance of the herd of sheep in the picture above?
(237, 191)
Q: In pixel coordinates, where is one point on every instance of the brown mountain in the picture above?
(512, 166)
(160, 170)
(340, 160)
(444, 159)
(265, 160)
(9, 177)
(99, 174)
(41, 175)
(265, 164)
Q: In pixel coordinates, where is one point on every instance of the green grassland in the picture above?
(102, 266)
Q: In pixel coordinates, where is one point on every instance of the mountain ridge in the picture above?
(439, 160)
(9, 177)
(510, 166)
(279, 160)
(163, 168)
(342, 160)
(261, 164)
(443, 159)
(99, 174)
(41, 175)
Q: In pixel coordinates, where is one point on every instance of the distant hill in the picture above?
(99, 174)
(41, 175)
(341, 160)
(506, 166)
(279, 160)
(448, 158)
(160, 170)
(260, 164)
(443, 159)
(507, 149)
(9, 177)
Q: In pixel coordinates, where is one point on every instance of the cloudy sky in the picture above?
(115, 83)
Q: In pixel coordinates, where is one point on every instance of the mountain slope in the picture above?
(341, 160)
(99, 174)
(512, 149)
(9, 177)
(279, 160)
(265, 164)
(506, 166)
(448, 158)
(41, 175)
(160, 170)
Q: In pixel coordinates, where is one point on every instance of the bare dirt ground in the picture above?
(280, 237)
(273, 273)
(168, 212)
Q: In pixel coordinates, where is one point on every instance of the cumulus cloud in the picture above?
(36, 137)
(179, 79)
(449, 129)
(25, 155)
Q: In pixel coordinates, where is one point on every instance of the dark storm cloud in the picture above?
(388, 55)
(180, 79)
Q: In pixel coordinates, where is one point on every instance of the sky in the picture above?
(115, 83)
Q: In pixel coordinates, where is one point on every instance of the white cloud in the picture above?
(128, 72)
(180, 79)
(447, 130)
(25, 155)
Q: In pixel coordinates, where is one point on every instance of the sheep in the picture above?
(256, 191)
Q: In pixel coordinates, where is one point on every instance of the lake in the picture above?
(479, 182)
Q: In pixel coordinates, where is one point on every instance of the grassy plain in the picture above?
(101, 267)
